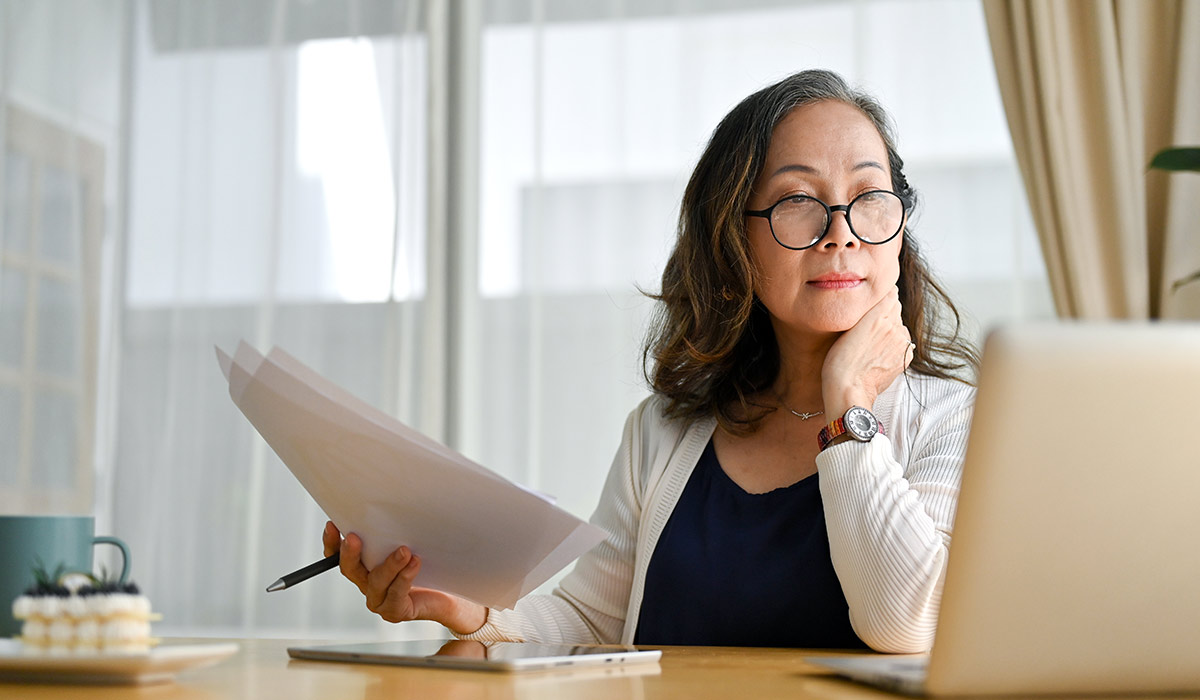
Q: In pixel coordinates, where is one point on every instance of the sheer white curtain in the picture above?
(277, 193)
(446, 207)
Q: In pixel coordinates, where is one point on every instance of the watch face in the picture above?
(861, 424)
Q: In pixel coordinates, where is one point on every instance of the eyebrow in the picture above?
(796, 167)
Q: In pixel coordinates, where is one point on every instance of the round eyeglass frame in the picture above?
(829, 210)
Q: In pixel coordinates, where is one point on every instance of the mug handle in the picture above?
(124, 553)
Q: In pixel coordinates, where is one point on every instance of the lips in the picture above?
(837, 280)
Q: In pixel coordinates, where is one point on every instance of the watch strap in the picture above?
(829, 432)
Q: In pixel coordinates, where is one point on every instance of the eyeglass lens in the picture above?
(799, 222)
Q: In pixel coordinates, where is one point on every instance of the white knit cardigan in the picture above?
(889, 507)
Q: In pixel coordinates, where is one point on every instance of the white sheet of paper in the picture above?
(479, 535)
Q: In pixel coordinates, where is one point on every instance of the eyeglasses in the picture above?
(800, 221)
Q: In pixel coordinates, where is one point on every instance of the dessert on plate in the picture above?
(80, 613)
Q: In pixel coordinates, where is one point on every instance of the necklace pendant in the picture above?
(794, 412)
(806, 416)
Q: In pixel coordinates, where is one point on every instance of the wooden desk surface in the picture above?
(262, 670)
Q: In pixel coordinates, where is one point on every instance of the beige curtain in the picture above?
(1092, 89)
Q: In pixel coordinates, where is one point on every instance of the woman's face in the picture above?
(828, 150)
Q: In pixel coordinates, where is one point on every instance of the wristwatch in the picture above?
(857, 422)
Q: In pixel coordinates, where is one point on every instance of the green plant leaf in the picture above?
(1177, 159)
(1186, 280)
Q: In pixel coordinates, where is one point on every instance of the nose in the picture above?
(839, 232)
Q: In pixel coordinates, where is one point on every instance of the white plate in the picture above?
(160, 664)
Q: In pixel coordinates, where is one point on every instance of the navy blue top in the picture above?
(738, 569)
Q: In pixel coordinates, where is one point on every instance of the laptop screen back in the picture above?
(1075, 562)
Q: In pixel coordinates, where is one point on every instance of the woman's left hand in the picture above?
(866, 359)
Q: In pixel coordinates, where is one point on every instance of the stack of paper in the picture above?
(479, 535)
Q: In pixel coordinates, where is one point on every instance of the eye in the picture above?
(795, 196)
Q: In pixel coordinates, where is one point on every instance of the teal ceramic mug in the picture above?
(50, 542)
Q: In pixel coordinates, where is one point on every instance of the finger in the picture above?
(401, 589)
(382, 578)
(892, 301)
(351, 561)
(902, 338)
(889, 301)
(886, 312)
(331, 538)
(409, 572)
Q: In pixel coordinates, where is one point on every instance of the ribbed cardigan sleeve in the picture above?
(590, 604)
(889, 523)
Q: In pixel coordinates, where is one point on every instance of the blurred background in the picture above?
(446, 207)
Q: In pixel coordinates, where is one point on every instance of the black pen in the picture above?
(289, 580)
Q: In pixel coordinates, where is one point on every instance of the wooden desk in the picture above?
(261, 670)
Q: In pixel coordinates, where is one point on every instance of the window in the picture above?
(53, 219)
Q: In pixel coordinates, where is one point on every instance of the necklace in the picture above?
(794, 412)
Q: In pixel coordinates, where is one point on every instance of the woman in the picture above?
(735, 515)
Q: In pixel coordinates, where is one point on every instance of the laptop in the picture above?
(480, 656)
(1075, 560)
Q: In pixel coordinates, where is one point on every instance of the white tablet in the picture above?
(483, 656)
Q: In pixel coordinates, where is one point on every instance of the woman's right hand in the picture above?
(389, 591)
(865, 360)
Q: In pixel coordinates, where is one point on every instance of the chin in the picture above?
(836, 318)
(834, 313)
(834, 324)
(834, 328)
